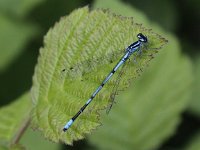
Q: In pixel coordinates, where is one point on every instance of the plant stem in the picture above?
(21, 131)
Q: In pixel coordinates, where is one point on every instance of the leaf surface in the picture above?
(83, 36)
(13, 119)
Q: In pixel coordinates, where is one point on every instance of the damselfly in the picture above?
(134, 47)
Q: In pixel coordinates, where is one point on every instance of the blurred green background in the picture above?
(23, 23)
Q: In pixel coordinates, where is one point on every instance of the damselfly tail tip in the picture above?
(64, 129)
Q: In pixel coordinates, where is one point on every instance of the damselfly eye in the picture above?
(142, 38)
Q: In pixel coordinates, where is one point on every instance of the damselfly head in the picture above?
(142, 38)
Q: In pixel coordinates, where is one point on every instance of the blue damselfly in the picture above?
(134, 47)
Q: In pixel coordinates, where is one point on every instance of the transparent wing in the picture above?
(82, 67)
(115, 89)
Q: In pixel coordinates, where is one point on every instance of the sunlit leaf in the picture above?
(83, 36)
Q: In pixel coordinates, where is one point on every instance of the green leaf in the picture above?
(13, 37)
(13, 147)
(30, 138)
(83, 36)
(121, 8)
(195, 99)
(19, 8)
(13, 120)
(127, 9)
(17, 147)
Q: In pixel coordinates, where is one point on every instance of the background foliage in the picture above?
(161, 108)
